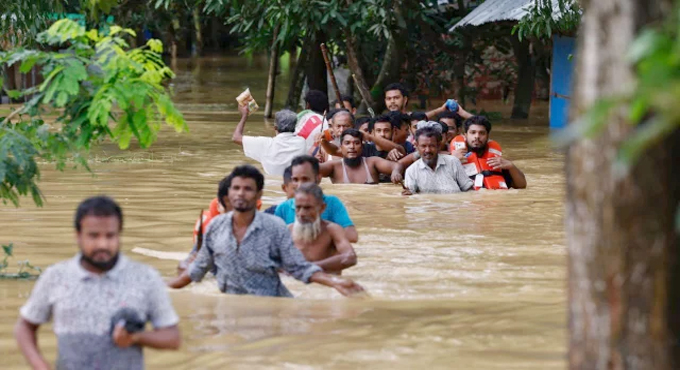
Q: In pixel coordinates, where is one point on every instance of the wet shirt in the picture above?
(81, 305)
(447, 177)
(335, 211)
(274, 153)
(370, 150)
(252, 266)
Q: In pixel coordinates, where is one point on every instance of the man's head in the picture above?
(351, 144)
(309, 206)
(400, 126)
(304, 169)
(347, 103)
(477, 130)
(98, 223)
(287, 185)
(285, 121)
(382, 126)
(415, 118)
(342, 120)
(245, 188)
(396, 97)
(317, 101)
(428, 141)
(454, 121)
(362, 123)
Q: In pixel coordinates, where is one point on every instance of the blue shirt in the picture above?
(335, 211)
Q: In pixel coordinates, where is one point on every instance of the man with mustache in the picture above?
(84, 297)
(434, 173)
(248, 248)
(320, 241)
(477, 130)
(354, 168)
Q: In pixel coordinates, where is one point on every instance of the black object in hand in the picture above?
(133, 323)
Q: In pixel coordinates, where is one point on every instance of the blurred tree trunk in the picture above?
(317, 78)
(624, 275)
(297, 78)
(526, 78)
(198, 32)
(273, 68)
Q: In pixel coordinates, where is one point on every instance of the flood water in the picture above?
(466, 281)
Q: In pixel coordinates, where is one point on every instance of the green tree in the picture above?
(97, 87)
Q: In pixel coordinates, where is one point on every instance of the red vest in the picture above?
(477, 165)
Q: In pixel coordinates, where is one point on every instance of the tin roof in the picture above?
(498, 10)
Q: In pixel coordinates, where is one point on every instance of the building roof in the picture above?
(498, 10)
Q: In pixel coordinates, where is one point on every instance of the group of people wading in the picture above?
(100, 301)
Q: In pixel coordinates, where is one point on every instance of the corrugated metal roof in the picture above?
(497, 10)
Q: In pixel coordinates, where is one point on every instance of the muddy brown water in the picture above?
(465, 281)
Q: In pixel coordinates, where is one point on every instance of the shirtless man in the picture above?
(354, 168)
(321, 242)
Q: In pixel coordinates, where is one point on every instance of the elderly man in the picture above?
(435, 173)
(248, 248)
(305, 169)
(354, 168)
(274, 153)
(320, 241)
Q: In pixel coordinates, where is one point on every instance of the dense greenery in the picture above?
(543, 19)
(93, 80)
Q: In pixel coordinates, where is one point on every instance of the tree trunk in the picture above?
(389, 71)
(317, 78)
(624, 274)
(198, 35)
(357, 73)
(297, 78)
(273, 68)
(526, 78)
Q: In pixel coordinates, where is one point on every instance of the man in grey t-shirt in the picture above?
(84, 294)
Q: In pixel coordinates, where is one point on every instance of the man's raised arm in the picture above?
(237, 137)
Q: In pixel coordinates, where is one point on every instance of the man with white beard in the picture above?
(321, 242)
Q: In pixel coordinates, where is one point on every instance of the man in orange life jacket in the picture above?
(476, 134)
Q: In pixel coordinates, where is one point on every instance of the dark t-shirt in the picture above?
(271, 210)
(370, 150)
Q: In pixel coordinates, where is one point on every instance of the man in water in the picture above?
(310, 120)
(287, 187)
(454, 122)
(414, 118)
(347, 103)
(379, 138)
(477, 130)
(305, 170)
(84, 294)
(340, 120)
(354, 168)
(274, 153)
(396, 98)
(362, 123)
(248, 248)
(320, 241)
(435, 173)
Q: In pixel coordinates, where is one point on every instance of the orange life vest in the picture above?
(477, 166)
(212, 212)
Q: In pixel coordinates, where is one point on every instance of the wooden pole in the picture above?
(273, 67)
(324, 51)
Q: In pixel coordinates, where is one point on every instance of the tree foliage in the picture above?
(548, 17)
(94, 80)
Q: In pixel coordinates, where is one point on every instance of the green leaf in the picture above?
(8, 249)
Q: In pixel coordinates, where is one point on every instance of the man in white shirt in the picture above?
(274, 153)
(435, 173)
